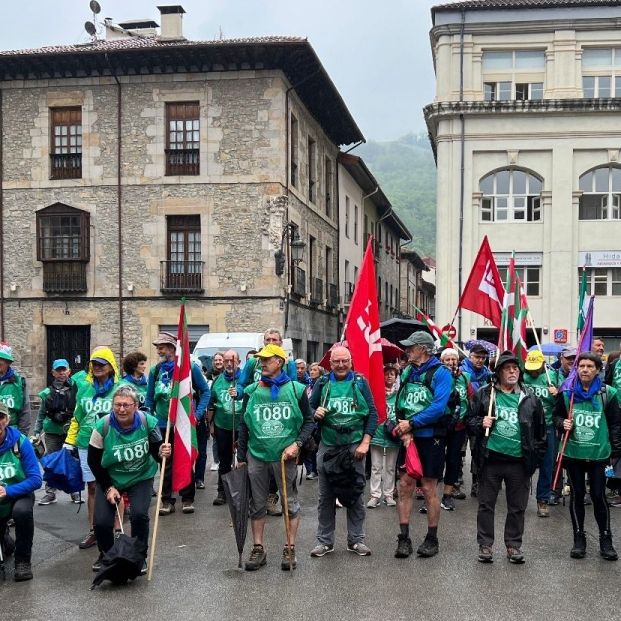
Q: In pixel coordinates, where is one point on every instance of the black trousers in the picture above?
(491, 478)
(202, 435)
(577, 470)
(21, 512)
(140, 500)
(454, 444)
(224, 438)
(188, 492)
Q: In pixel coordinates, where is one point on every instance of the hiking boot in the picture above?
(187, 506)
(423, 509)
(419, 493)
(97, 563)
(485, 554)
(321, 549)
(390, 501)
(429, 547)
(606, 550)
(257, 558)
(200, 484)
(23, 571)
(458, 493)
(89, 541)
(167, 508)
(311, 476)
(220, 499)
(359, 548)
(447, 503)
(373, 503)
(404, 547)
(553, 500)
(579, 549)
(515, 555)
(76, 498)
(273, 507)
(543, 510)
(48, 499)
(284, 563)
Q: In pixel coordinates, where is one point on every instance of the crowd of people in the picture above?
(275, 413)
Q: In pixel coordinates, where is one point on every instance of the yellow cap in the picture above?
(534, 360)
(272, 350)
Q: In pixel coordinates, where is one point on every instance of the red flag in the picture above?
(362, 331)
(484, 292)
(181, 411)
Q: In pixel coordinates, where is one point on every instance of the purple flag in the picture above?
(586, 340)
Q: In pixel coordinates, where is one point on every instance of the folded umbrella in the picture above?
(61, 470)
(237, 492)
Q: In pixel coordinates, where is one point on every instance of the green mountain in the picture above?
(406, 171)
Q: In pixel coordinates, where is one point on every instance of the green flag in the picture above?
(583, 301)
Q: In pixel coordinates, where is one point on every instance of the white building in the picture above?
(526, 131)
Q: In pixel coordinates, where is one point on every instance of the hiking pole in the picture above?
(285, 509)
(561, 452)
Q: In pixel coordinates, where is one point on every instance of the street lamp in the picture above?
(291, 235)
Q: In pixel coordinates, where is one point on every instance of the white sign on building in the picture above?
(599, 258)
(521, 258)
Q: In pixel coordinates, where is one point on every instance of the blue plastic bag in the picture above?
(61, 470)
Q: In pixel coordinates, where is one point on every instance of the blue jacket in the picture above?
(478, 377)
(29, 464)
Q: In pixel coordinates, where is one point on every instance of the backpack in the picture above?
(59, 404)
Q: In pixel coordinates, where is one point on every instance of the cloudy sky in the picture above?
(377, 53)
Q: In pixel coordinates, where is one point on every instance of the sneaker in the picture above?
(23, 571)
(220, 499)
(359, 548)
(311, 476)
(515, 555)
(167, 508)
(404, 547)
(200, 485)
(88, 542)
(485, 554)
(76, 498)
(606, 550)
(390, 501)
(579, 549)
(373, 503)
(187, 506)
(419, 493)
(273, 507)
(257, 558)
(543, 510)
(48, 499)
(284, 563)
(429, 547)
(448, 503)
(458, 493)
(97, 563)
(214, 467)
(321, 549)
(423, 509)
(144, 569)
(553, 500)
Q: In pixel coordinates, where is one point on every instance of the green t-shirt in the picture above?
(223, 403)
(346, 409)
(382, 437)
(505, 436)
(89, 410)
(539, 385)
(11, 473)
(273, 425)
(12, 395)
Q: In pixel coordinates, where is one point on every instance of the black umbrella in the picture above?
(237, 494)
(123, 561)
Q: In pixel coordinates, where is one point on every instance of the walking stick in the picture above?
(559, 457)
(285, 510)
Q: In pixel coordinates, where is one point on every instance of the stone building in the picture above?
(525, 128)
(145, 167)
(413, 291)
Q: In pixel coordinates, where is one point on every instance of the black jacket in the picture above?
(612, 411)
(532, 425)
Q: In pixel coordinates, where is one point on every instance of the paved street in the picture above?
(196, 573)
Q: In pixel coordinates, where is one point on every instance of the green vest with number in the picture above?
(161, 398)
(589, 438)
(539, 385)
(616, 376)
(89, 411)
(461, 386)
(12, 395)
(382, 437)
(506, 436)
(11, 473)
(414, 397)
(223, 403)
(273, 425)
(346, 413)
(141, 390)
(126, 456)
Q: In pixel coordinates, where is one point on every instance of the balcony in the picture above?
(316, 291)
(333, 296)
(65, 165)
(182, 162)
(299, 282)
(64, 277)
(181, 276)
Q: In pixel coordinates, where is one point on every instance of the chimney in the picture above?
(172, 22)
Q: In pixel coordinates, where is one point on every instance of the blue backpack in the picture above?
(61, 470)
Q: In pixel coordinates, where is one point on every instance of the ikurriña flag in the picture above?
(181, 411)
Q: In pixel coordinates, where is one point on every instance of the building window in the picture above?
(529, 276)
(366, 229)
(514, 60)
(355, 275)
(511, 196)
(356, 224)
(511, 75)
(504, 91)
(347, 217)
(294, 151)
(601, 72)
(604, 281)
(63, 246)
(601, 198)
(183, 138)
(329, 181)
(183, 269)
(66, 143)
(312, 170)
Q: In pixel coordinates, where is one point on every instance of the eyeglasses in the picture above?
(347, 361)
(123, 406)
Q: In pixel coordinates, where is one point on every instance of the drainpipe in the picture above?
(462, 171)
(2, 246)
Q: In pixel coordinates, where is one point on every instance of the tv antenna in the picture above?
(91, 27)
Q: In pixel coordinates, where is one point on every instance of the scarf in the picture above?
(418, 371)
(275, 383)
(102, 389)
(234, 376)
(477, 376)
(137, 382)
(114, 423)
(348, 378)
(581, 395)
(9, 375)
(166, 371)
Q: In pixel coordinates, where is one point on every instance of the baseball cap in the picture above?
(418, 338)
(60, 363)
(4, 409)
(477, 348)
(6, 352)
(271, 350)
(569, 352)
(534, 361)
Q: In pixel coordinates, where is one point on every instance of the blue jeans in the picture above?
(546, 467)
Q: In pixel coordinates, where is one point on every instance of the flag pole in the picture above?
(531, 324)
(492, 394)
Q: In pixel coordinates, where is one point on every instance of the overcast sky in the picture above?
(376, 52)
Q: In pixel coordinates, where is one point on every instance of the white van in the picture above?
(242, 342)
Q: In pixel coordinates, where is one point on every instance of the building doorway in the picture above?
(70, 342)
